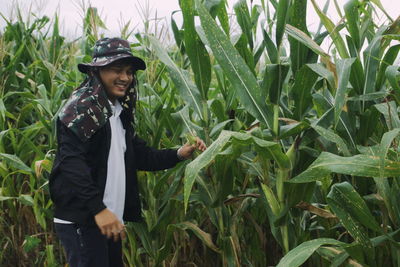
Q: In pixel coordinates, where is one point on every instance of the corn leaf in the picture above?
(15, 162)
(299, 53)
(178, 35)
(195, 49)
(353, 17)
(324, 73)
(343, 67)
(392, 74)
(353, 213)
(387, 60)
(301, 90)
(203, 236)
(386, 142)
(371, 59)
(235, 68)
(271, 48)
(268, 149)
(389, 111)
(306, 40)
(244, 20)
(359, 165)
(297, 256)
(180, 78)
(344, 195)
(333, 137)
(333, 31)
(281, 13)
(223, 16)
(275, 74)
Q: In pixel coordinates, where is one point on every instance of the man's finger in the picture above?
(122, 234)
(109, 233)
(103, 231)
(116, 235)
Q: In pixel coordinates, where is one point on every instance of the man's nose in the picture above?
(124, 76)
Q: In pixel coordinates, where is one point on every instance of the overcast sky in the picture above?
(117, 12)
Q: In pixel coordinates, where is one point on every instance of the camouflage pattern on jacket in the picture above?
(87, 110)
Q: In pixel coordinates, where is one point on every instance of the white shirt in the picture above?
(114, 193)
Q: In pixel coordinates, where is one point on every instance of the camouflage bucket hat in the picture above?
(108, 50)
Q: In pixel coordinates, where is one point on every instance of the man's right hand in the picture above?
(110, 225)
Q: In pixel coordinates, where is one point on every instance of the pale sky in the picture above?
(117, 12)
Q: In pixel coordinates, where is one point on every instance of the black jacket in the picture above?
(79, 174)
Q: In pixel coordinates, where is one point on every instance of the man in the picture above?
(93, 183)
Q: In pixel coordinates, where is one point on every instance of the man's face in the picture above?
(116, 79)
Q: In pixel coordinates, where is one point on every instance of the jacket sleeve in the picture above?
(151, 159)
(74, 166)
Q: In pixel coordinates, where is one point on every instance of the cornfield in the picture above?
(303, 160)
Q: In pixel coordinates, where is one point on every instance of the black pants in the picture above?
(85, 246)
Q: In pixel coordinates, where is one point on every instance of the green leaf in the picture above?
(30, 243)
(145, 238)
(371, 59)
(244, 51)
(271, 199)
(180, 78)
(219, 127)
(389, 111)
(353, 213)
(392, 73)
(15, 162)
(293, 129)
(333, 137)
(297, 256)
(343, 67)
(203, 236)
(306, 40)
(276, 75)
(244, 20)
(333, 31)
(267, 149)
(344, 195)
(379, 4)
(387, 60)
(386, 142)
(26, 200)
(359, 165)
(353, 17)
(223, 16)
(177, 34)
(357, 76)
(299, 53)
(3, 198)
(271, 48)
(324, 73)
(281, 14)
(3, 110)
(235, 68)
(195, 49)
(301, 90)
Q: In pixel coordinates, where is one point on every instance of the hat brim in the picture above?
(137, 62)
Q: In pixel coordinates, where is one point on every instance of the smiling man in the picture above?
(93, 183)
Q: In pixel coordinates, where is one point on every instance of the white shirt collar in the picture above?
(116, 109)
